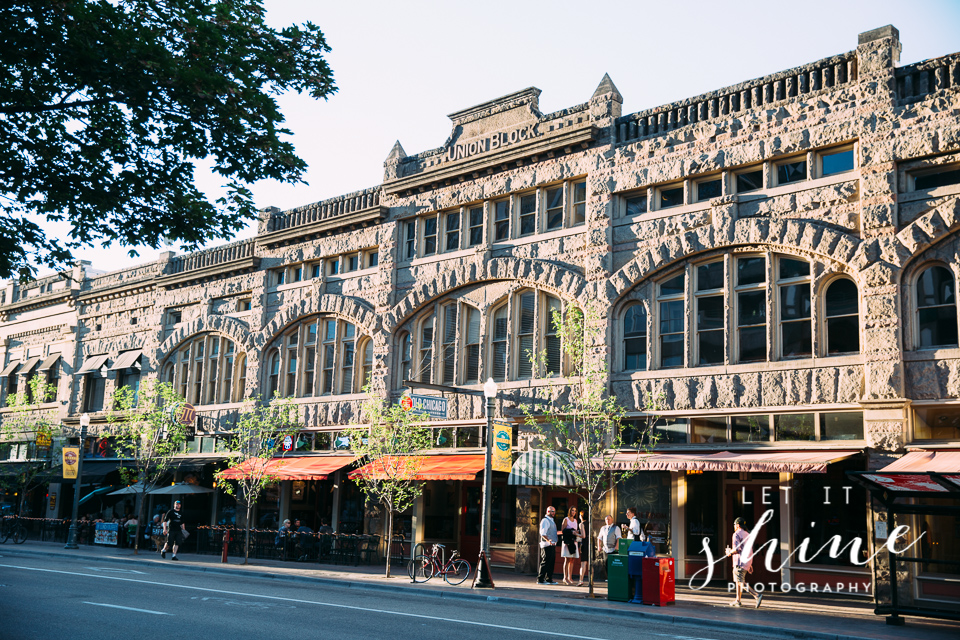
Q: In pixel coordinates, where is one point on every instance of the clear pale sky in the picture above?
(401, 67)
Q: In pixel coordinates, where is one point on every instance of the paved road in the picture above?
(44, 598)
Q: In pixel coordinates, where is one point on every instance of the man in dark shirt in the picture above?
(174, 528)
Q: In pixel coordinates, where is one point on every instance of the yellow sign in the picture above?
(502, 459)
(44, 439)
(71, 458)
(186, 414)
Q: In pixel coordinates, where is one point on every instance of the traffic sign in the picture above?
(433, 406)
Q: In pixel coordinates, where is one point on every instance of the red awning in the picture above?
(772, 462)
(458, 467)
(935, 461)
(922, 482)
(306, 468)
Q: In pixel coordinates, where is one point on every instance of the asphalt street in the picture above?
(42, 598)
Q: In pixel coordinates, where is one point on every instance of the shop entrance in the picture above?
(561, 501)
(503, 517)
(750, 501)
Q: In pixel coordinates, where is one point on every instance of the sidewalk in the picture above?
(810, 617)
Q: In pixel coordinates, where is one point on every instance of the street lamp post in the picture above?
(484, 580)
(72, 534)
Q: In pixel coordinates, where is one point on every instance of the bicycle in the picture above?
(12, 527)
(424, 566)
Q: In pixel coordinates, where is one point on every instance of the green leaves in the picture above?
(107, 106)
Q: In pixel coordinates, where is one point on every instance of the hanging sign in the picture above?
(433, 406)
(44, 439)
(186, 414)
(71, 458)
(288, 443)
(502, 458)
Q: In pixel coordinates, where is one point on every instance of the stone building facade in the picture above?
(777, 260)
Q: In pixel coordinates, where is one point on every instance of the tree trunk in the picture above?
(136, 543)
(246, 542)
(389, 536)
(589, 545)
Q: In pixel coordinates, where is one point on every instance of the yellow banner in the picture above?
(71, 457)
(502, 459)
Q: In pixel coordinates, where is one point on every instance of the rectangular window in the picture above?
(528, 214)
(750, 428)
(790, 172)
(710, 313)
(942, 177)
(373, 258)
(329, 354)
(499, 344)
(449, 346)
(795, 323)
(472, 356)
(670, 197)
(93, 399)
(635, 338)
(841, 426)
(635, 205)
(243, 304)
(552, 339)
(709, 429)
(451, 230)
(348, 353)
(749, 181)
(578, 209)
(476, 226)
(410, 240)
(501, 220)
(316, 270)
(280, 277)
(794, 427)
(834, 162)
(708, 189)
(351, 262)
(296, 273)
(425, 360)
(525, 327)
(554, 208)
(429, 236)
(936, 423)
(671, 322)
(751, 309)
(333, 266)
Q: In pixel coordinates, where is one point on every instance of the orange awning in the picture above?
(305, 468)
(935, 461)
(458, 467)
(772, 462)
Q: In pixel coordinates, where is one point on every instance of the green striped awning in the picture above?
(541, 468)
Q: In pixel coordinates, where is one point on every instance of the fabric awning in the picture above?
(51, 360)
(456, 467)
(126, 360)
(306, 468)
(93, 470)
(913, 482)
(29, 366)
(541, 469)
(195, 463)
(771, 462)
(937, 461)
(92, 363)
(9, 369)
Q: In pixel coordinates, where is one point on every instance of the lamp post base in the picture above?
(72, 538)
(484, 579)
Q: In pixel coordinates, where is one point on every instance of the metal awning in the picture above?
(10, 368)
(936, 461)
(542, 469)
(92, 363)
(29, 366)
(455, 467)
(770, 462)
(195, 463)
(50, 361)
(126, 360)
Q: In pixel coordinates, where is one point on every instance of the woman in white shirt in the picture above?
(570, 530)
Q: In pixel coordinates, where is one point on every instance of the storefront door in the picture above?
(750, 502)
(561, 500)
(503, 517)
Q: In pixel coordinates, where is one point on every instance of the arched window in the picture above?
(471, 351)
(842, 311)
(533, 334)
(315, 345)
(405, 357)
(203, 370)
(936, 309)
(498, 345)
(446, 343)
(366, 364)
(635, 338)
(425, 351)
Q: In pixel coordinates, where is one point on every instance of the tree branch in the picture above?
(56, 107)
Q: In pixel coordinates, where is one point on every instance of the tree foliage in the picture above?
(586, 425)
(146, 433)
(392, 447)
(257, 437)
(24, 421)
(107, 105)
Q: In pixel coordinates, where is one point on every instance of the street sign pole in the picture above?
(72, 533)
(484, 579)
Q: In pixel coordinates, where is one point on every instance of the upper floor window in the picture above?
(635, 338)
(672, 317)
(205, 370)
(446, 341)
(524, 327)
(318, 356)
(842, 314)
(936, 309)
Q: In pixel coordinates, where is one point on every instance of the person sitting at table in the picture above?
(280, 542)
(306, 541)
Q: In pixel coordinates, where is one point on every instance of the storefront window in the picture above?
(823, 508)
(841, 426)
(936, 423)
(750, 428)
(648, 492)
(710, 429)
(795, 426)
(439, 502)
(703, 513)
(940, 542)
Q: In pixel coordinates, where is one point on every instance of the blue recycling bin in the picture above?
(639, 549)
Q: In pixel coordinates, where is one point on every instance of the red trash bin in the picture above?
(658, 581)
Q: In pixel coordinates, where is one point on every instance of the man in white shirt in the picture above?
(633, 531)
(607, 539)
(548, 547)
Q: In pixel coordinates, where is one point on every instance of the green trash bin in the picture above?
(618, 582)
(623, 546)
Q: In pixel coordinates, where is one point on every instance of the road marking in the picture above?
(112, 570)
(286, 599)
(116, 606)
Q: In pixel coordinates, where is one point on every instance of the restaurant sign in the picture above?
(106, 533)
(433, 406)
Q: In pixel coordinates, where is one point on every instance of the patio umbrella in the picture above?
(95, 492)
(134, 488)
(181, 488)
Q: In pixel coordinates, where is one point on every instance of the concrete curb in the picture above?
(662, 618)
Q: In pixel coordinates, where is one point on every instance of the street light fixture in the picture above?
(484, 580)
(72, 534)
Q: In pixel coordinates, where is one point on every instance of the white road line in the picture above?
(285, 599)
(116, 606)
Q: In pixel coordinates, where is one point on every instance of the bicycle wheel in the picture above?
(457, 571)
(420, 568)
(20, 534)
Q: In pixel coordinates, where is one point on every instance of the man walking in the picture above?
(548, 547)
(742, 564)
(175, 529)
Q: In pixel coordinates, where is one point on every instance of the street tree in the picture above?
(585, 424)
(146, 432)
(28, 426)
(257, 437)
(392, 445)
(108, 106)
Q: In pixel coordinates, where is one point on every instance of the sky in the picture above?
(401, 67)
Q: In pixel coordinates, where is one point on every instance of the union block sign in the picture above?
(433, 406)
